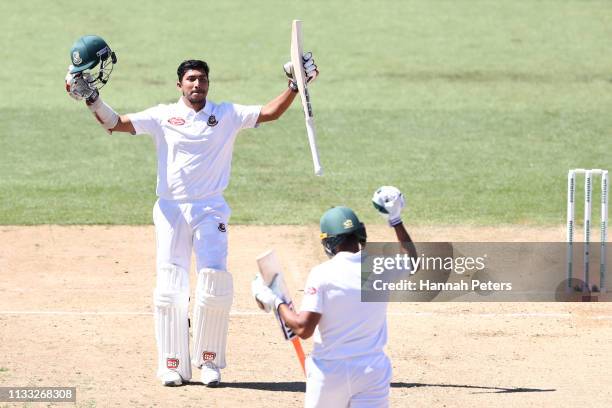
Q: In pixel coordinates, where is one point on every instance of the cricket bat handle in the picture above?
(312, 140)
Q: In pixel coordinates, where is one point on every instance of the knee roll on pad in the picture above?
(171, 305)
(214, 296)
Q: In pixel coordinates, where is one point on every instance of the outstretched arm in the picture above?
(79, 89)
(108, 118)
(124, 125)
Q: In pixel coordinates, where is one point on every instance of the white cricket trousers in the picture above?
(199, 225)
(355, 382)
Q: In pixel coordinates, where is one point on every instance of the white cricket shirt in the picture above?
(194, 149)
(348, 327)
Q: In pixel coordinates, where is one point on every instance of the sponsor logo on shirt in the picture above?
(310, 291)
(212, 121)
(176, 121)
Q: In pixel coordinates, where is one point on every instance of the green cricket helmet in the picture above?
(89, 52)
(337, 224)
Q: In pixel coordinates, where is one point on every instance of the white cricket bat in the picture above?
(300, 78)
(269, 269)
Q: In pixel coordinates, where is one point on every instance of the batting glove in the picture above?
(265, 297)
(389, 202)
(310, 68)
(79, 86)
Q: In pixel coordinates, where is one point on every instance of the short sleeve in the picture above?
(247, 115)
(313, 294)
(145, 122)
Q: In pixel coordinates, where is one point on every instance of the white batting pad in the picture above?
(214, 295)
(171, 298)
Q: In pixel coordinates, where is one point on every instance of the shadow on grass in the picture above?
(298, 386)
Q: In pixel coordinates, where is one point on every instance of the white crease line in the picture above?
(259, 313)
(89, 313)
(463, 314)
(71, 313)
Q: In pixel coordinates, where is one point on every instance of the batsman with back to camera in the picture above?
(194, 140)
(348, 365)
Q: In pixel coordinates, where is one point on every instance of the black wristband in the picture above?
(93, 97)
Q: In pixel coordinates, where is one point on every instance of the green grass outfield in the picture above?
(475, 109)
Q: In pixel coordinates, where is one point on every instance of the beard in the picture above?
(196, 97)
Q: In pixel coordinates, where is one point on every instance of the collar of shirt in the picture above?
(189, 113)
(349, 256)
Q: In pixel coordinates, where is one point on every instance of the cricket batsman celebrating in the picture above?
(347, 366)
(194, 140)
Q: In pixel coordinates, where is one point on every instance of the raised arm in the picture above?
(389, 202)
(124, 125)
(79, 88)
(107, 117)
(405, 240)
(277, 106)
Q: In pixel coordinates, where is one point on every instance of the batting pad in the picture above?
(214, 295)
(171, 298)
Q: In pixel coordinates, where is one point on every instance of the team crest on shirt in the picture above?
(209, 355)
(172, 363)
(311, 291)
(176, 121)
(222, 227)
(212, 121)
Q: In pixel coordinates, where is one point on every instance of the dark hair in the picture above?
(355, 238)
(332, 244)
(191, 64)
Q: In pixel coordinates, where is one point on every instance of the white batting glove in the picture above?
(310, 68)
(389, 202)
(78, 86)
(265, 296)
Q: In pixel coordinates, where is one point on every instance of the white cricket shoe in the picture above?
(171, 378)
(211, 376)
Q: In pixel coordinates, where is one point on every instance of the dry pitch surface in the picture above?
(75, 310)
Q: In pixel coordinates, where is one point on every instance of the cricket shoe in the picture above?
(211, 376)
(171, 379)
